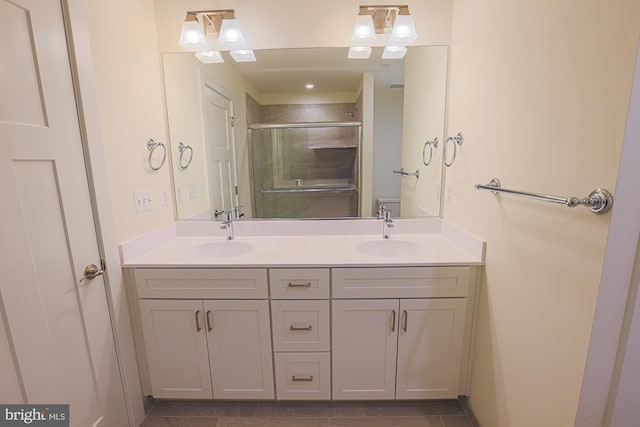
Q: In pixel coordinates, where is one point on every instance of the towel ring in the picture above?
(181, 161)
(458, 139)
(432, 144)
(152, 146)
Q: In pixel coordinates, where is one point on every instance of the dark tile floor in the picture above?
(441, 413)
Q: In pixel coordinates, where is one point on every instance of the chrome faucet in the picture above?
(227, 223)
(381, 209)
(386, 223)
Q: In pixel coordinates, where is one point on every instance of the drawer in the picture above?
(303, 376)
(300, 325)
(299, 283)
(219, 283)
(400, 282)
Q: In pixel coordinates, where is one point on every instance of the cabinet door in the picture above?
(239, 340)
(430, 348)
(364, 349)
(176, 345)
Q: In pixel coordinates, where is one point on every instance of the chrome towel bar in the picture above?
(599, 200)
(405, 173)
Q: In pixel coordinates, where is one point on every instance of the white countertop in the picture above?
(421, 242)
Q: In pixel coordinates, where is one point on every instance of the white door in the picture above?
(239, 339)
(220, 150)
(58, 329)
(430, 348)
(364, 349)
(176, 343)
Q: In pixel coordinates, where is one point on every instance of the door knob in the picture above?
(92, 271)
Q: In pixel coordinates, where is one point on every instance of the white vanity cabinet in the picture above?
(407, 347)
(207, 348)
(342, 333)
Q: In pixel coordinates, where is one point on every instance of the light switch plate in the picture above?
(142, 201)
(193, 190)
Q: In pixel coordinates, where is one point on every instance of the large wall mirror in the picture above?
(254, 135)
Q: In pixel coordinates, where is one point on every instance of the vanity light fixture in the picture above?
(243, 55)
(210, 57)
(359, 52)
(404, 30)
(388, 26)
(364, 33)
(394, 52)
(192, 35)
(209, 31)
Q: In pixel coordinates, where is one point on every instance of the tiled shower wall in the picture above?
(315, 156)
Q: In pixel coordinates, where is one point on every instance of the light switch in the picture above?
(142, 201)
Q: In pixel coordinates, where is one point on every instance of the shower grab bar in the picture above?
(599, 201)
(309, 190)
(304, 125)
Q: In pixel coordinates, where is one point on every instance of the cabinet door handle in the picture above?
(406, 319)
(209, 327)
(302, 378)
(299, 285)
(300, 328)
(393, 320)
(198, 328)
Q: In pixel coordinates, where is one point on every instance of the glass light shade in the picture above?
(192, 36)
(364, 34)
(359, 52)
(230, 35)
(209, 57)
(394, 52)
(244, 55)
(404, 31)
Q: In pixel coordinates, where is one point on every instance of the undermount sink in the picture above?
(226, 249)
(389, 248)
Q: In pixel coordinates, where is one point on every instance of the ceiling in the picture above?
(329, 69)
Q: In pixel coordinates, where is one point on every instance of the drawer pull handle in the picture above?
(406, 319)
(300, 328)
(198, 328)
(393, 320)
(209, 327)
(307, 378)
(300, 285)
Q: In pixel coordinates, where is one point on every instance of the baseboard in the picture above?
(148, 402)
(464, 402)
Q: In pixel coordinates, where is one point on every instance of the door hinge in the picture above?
(103, 265)
(233, 121)
(236, 190)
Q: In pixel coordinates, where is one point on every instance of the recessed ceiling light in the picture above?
(309, 85)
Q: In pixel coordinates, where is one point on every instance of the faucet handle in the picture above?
(237, 213)
(381, 210)
(387, 215)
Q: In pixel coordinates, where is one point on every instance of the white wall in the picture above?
(184, 112)
(129, 87)
(540, 89)
(387, 141)
(425, 76)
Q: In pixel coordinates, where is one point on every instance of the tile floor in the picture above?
(441, 413)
